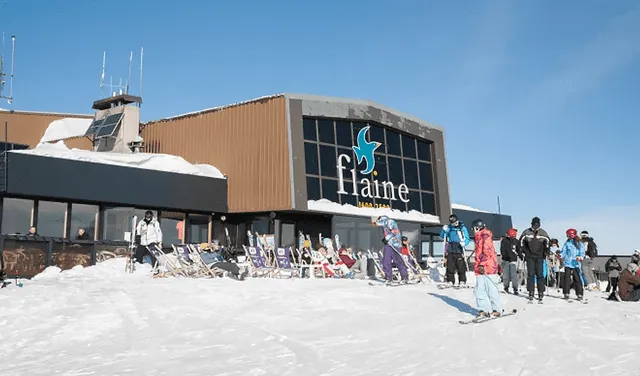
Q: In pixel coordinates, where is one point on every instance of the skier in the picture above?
(587, 262)
(614, 268)
(511, 252)
(535, 245)
(572, 254)
(148, 233)
(456, 238)
(392, 244)
(486, 270)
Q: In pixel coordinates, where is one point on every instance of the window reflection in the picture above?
(16, 215)
(83, 217)
(51, 218)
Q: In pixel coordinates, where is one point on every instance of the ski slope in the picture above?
(99, 321)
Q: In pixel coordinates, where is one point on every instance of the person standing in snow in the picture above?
(572, 253)
(535, 245)
(148, 233)
(392, 245)
(587, 263)
(486, 270)
(629, 285)
(456, 237)
(510, 252)
(614, 268)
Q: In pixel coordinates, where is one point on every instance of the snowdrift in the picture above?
(100, 321)
(326, 206)
(159, 162)
(65, 128)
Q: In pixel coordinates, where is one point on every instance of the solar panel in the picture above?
(93, 128)
(110, 125)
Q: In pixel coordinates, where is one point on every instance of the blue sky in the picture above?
(540, 100)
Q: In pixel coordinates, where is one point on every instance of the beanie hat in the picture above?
(535, 221)
(633, 268)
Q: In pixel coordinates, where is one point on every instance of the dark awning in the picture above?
(88, 182)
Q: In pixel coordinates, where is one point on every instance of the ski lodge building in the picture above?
(276, 165)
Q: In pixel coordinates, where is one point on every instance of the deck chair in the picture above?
(210, 270)
(302, 264)
(164, 263)
(190, 261)
(283, 262)
(258, 262)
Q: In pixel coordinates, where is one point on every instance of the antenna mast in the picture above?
(129, 77)
(104, 61)
(141, 56)
(3, 75)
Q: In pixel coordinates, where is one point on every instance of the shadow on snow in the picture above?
(460, 306)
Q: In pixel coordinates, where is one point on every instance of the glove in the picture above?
(578, 258)
(384, 241)
(480, 269)
(445, 228)
(462, 245)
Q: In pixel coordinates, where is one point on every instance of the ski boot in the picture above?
(530, 297)
(482, 314)
(566, 297)
(580, 298)
(495, 314)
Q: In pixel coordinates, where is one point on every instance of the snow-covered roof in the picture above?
(21, 112)
(326, 206)
(467, 208)
(65, 128)
(305, 97)
(158, 162)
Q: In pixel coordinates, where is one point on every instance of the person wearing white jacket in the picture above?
(149, 233)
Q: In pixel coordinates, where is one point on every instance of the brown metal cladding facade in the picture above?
(27, 128)
(248, 142)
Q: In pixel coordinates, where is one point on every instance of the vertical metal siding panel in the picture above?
(248, 143)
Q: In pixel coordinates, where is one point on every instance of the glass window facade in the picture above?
(357, 232)
(400, 160)
(83, 217)
(16, 215)
(51, 218)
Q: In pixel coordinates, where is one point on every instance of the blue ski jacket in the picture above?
(392, 233)
(570, 252)
(457, 234)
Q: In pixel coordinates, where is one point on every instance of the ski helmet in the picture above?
(453, 218)
(512, 233)
(572, 233)
(478, 225)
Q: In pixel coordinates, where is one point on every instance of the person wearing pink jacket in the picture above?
(486, 269)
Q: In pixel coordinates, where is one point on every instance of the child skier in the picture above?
(486, 269)
(392, 245)
(572, 254)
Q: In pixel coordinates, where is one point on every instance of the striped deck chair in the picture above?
(196, 255)
(190, 261)
(258, 262)
(164, 263)
(283, 262)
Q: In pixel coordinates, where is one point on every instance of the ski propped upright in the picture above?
(480, 320)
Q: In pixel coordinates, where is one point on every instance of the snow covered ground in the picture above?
(99, 321)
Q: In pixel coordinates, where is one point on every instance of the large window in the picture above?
(358, 233)
(51, 218)
(172, 225)
(83, 217)
(198, 228)
(118, 222)
(16, 215)
(400, 159)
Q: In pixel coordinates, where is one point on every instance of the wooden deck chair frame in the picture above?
(293, 271)
(305, 265)
(254, 270)
(159, 254)
(196, 268)
(206, 270)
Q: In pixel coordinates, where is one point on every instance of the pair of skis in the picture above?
(483, 319)
(382, 282)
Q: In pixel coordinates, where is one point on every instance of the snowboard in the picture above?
(480, 320)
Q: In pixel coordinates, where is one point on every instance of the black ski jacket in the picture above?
(510, 249)
(535, 243)
(592, 248)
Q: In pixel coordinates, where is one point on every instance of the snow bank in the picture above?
(158, 162)
(62, 129)
(326, 206)
(467, 208)
(101, 321)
